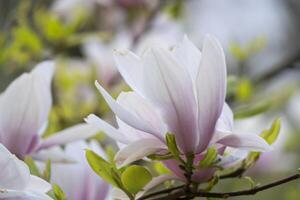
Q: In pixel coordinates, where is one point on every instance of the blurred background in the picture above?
(260, 39)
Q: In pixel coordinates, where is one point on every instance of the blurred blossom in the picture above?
(268, 161)
(78, 180)
(72, 9)
(24, 110)
(100, 54)
(181, 91)
(16, 182)
(242, 22)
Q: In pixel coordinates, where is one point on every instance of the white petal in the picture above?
(138, 150)
(55, 154)
(74, 133)
(22, 195)
(130, 67)
(188, 55)
(232, 157)
(124, 114)
(155, 182)
(250, 142)
(107, 128)
(24, 109)
(37, 184)
(225, 122)
(169, 86)
(144, 111)
(14, 173)
(211, 89)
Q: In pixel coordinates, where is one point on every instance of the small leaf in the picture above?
(160, 157)
(135, 177)
(250, 181)
(58, 192)
(271, 135)
(171, 143)
(160, 168)
(47, 172)
(209, 158)
(32, 166)
(101, 167)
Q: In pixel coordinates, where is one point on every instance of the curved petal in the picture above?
(14, 173)
(130, 67)
(169, 86)
(37, 184)
(107, 128)
(74, 133)
(138, 150)
(123, 113)
(24, 109)
(187, 54)
(250, 142)
(211, 89)
(144, 111)
(23, 195)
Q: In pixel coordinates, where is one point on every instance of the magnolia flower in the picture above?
(77, 179)
(16, 183)
(24, 109)
(179, 90)
(99, 54)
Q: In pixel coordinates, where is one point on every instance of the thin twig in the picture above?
(181, 192)
(165, 191)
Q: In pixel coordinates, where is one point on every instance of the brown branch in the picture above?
(173, 194)
(247, 192)
(237, 173)
(165, 191)
(147, 24)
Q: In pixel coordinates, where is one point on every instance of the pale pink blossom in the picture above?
(181, 91)
(16, 182)
(24, 110)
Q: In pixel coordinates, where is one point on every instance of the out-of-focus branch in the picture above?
(147, 23)
(289, 63)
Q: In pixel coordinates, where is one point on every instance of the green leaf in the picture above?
(271, 135)
(47, 172)
(161, 169)
(172, 146)
(252, 109)
(250, 181)
(209, 158)
(101, 167)
(167, 156)
(135, 177)
(58, 192)
(32, 166)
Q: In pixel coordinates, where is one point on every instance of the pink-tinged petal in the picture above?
(123, 113)
(188, 55)
(225, 122)
(250, 142)
(55, 154)
(131, 133)
(74, 133)
(130, 67)
(14, 173)
(110, 131)
(232, 157)
(24, 109)
(145, 111)
(138, 150)
(211, 89)
(169, 86)
(37, 184)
